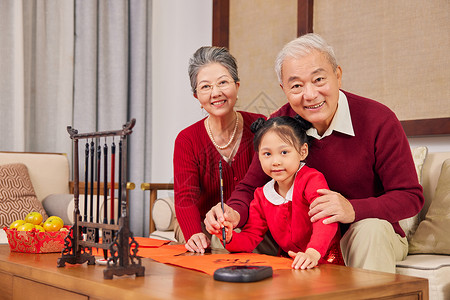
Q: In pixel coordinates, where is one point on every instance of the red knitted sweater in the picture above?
(196, 172)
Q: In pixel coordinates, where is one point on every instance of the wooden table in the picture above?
(22, 274)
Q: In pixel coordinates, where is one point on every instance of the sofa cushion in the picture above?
(17, 196)
(63, 205)
(49, 172)
(432, 234)
(424, 262)
(409, 225)
(163, 213)
(436, 268)
(431, 170)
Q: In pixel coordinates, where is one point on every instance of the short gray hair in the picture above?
(303, 46)
(207, 55)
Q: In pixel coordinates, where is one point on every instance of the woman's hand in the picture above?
(198, 243)
(305, 260)
(215, 218)
(332, 206)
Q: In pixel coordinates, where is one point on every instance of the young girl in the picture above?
(282, 205)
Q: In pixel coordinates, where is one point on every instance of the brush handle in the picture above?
(224, 236)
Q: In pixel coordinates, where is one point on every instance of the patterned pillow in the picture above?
(17, 197)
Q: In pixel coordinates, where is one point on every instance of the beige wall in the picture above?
(396, 52)
(258, 30)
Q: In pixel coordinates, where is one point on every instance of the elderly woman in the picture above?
(222, 136)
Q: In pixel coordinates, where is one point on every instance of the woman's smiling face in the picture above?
(216, 90)
(312, 88)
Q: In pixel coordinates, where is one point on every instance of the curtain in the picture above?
(112, 83)
(36, 63)
(79, 63)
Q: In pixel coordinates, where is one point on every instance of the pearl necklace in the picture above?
(208, 129)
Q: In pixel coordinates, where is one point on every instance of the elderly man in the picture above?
(360, 147)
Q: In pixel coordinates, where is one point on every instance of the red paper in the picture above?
(148, 242)
(207, 263)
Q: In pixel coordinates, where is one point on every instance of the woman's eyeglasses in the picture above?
(206, 88)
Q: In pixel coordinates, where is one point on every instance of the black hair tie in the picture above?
(305, 125)
(257, 125)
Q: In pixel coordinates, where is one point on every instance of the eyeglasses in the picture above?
(206, 88)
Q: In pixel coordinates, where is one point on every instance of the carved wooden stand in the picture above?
(117, 238)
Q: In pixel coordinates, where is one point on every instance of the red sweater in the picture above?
(289, 223)
(374, 169)
(196, 172)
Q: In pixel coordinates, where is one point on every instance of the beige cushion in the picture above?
(62, 205)
(432, 235)
(17, 196)
(431, 171)
(163, 214)
(410, 225)
(436, 268)
(49, 172)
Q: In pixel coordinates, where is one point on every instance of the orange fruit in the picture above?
(34, 218)
(16, 224)
(26, 227)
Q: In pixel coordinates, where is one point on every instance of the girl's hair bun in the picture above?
(305, 125)
(257, 124)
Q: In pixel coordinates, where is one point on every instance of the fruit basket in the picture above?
(36, 242)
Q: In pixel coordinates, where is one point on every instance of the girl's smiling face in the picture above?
(280, 159)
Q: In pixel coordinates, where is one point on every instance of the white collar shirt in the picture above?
(342, 121)
(273, 197)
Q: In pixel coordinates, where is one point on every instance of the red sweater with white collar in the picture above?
(374, 169)
(289, 222)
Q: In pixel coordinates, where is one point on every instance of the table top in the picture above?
(163, 281)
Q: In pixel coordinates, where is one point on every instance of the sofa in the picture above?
(40, 182)
(428, 233)
(26, 180)
(429, 252)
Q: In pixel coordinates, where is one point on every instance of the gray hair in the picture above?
(303, 46)
(208, 55)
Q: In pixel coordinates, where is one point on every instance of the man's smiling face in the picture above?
(312, 88)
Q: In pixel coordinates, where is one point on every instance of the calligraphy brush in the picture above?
(224, 236)
(97, 217)
(105, 194)
(86, 183)
(113, 169)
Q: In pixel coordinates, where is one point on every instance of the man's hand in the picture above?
(332, 206)
(305, 260)
(215, 218)
(198, 243)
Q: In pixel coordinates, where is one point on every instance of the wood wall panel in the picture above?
(413, 111)
(258, 31)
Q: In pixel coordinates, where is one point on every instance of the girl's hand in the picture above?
(215, 218)
(198, 243)
(228, 230)
(305, 260)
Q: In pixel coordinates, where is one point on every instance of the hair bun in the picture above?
(305, 125)
(257, 124)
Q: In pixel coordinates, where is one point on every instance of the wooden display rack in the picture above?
(84, 234)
